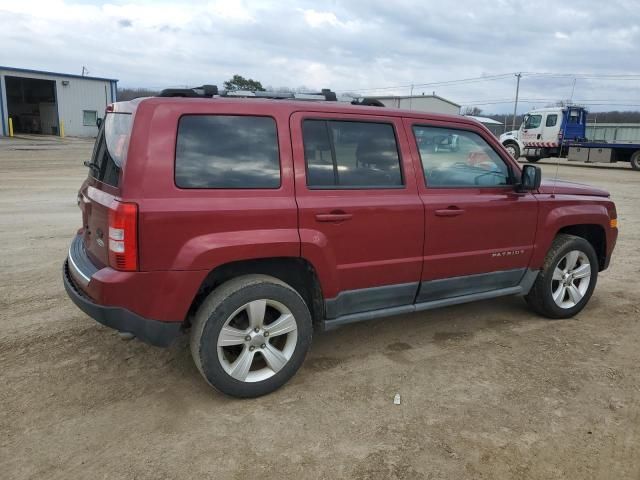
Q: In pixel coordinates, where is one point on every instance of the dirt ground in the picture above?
(489, 390)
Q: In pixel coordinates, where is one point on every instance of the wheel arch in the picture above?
(297, 272)
(516, 143)
(592, 233)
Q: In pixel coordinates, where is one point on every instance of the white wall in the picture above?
(78, 95)
(421, 103)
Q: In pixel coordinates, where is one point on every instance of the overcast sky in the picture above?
(346, 46)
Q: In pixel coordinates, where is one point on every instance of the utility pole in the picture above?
(84, 70)
(411, 97)
(515, 107)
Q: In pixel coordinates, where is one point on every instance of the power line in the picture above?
(434, 84)
(501, 76)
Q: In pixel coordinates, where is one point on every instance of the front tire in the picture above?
(251, 335)
(513, 149)
(635, 160)
(567, 279)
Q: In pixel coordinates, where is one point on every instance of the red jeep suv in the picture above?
(248, 222)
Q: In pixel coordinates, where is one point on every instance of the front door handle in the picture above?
(449, 212)
(337, 216)
(538, 137)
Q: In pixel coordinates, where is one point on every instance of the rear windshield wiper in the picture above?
(93, 166)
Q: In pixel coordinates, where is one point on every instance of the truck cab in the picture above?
(543, 130)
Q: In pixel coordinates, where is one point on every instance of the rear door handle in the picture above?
(333, 217)
(449, 212)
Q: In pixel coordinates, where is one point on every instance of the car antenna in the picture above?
(564, 131)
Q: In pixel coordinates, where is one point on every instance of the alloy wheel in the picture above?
(571, 279)
(257, 340)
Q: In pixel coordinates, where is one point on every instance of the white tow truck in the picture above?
(561, 132)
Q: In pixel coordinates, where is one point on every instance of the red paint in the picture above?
(353, 238)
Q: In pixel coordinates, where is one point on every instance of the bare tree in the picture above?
(473, 111)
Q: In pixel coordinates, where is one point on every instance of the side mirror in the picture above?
(98, 122)
(531, 178)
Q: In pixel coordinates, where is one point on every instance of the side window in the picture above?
(342, 154)
(458, 158)
(224, 151)
(533, 121)
(89, 118)
(551, 120)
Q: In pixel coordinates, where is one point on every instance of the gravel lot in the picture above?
(489, 390)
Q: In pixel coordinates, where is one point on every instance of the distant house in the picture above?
(497, 128)
(421, 103)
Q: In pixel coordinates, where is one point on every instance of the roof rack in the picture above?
(209, 91)
(197, 92)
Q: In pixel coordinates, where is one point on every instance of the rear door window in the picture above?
(552, 119)
(348, 154)
(227, 151)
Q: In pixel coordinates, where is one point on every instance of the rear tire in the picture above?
(567, 279)
(251, 335)
(635, 160)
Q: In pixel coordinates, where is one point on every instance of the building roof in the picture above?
(486, 120)
(68, 75)
(392, 97)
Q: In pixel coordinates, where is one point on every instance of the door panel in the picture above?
(531, 132)
(357, 236)
(550, 129)
(470, 229)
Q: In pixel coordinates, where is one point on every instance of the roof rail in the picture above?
(209, 91)
(370, 102)
(197, 92)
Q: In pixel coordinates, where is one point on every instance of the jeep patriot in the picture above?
(249, 222)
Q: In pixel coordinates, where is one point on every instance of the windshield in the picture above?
(117, 129)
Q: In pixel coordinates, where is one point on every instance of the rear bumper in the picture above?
(79, 275)
(160, 334)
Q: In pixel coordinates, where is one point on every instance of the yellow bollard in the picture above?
(61, 129)
(10, 127)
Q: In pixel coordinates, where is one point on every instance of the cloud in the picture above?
(354, 45)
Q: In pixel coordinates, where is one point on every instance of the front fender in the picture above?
(570, 212)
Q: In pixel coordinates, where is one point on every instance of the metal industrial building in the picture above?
(51, 103)
(421, 103)
(497, 128)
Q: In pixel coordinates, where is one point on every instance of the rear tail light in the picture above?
(560, 136)
(123, 236)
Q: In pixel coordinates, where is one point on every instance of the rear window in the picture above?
(110, 150)
(227, 151)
